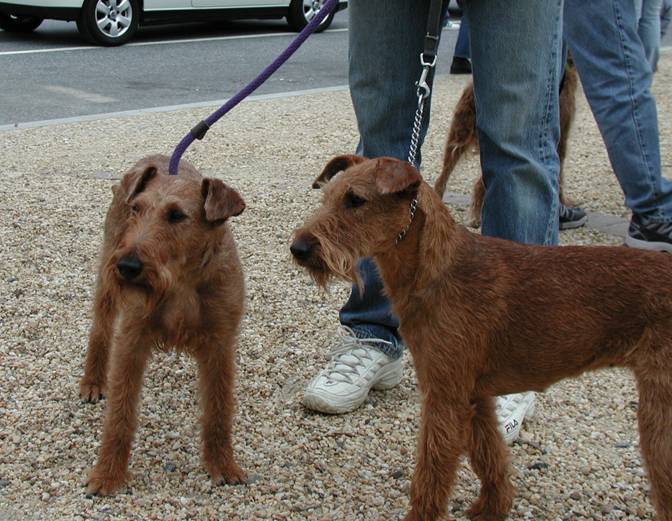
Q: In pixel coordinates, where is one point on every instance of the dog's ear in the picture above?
(334, 166)
(394, 176)
(220, 201)
(136, 180)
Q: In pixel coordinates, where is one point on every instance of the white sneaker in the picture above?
(511, 410)
(355, 367)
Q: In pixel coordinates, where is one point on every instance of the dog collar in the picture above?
(402, 233)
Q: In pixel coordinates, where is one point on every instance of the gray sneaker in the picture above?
(646, 234)
(572, 217)
(355, 367)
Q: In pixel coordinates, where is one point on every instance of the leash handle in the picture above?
(199, 131)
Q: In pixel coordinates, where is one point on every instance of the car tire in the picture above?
(19, 24)
(301, 12)
(109, 22)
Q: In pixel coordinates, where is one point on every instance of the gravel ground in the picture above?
(578, 459)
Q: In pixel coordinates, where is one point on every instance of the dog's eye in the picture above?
(353, 201)
(175, 216)
(135, 209)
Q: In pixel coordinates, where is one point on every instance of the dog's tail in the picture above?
(461, 137)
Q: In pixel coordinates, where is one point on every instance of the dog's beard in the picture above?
(335, 262)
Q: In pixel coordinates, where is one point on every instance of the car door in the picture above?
(165, 5)
(239, 4)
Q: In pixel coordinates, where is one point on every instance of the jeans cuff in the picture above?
(395, 349)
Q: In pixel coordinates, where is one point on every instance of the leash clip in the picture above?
(423, 88)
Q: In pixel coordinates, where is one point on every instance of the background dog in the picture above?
(169, 277)
(486, 317)
(462, 138)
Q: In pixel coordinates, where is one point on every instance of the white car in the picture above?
(114, 22)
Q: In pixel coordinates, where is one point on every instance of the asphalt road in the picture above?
(54, 74)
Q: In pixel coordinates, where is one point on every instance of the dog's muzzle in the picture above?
(129, 267)
(301, 249)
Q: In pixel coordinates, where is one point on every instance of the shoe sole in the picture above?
(631, 242)
(385, 380)
(571, 225)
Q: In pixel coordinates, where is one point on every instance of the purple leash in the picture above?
(199, 131)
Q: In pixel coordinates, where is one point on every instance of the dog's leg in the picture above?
(489, 459)
(216, 367)
(92, 384)
(130, 352)
(655, 418)
(442, 440)
(461, 137)
(477, 196)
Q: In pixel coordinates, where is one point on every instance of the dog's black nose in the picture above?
(129, 267)
(301, 249)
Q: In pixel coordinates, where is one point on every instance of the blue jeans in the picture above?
(648, 28)
(515, 48)
(616, 78)
(665, 17)
(462, 43)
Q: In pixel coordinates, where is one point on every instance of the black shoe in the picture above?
(646, 234)
(460, 66)
(572, 217)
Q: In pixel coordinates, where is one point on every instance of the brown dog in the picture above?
(169, 276)
(462, 137)
(486, 317)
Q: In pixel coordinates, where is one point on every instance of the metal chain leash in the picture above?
(423, 94)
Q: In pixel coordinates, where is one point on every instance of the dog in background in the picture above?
(485, 317)
(462, 138)
(169, 277)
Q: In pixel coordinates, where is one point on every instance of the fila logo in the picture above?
(511, 426)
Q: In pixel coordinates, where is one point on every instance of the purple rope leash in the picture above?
(198, 132)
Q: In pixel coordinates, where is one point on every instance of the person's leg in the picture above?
(461, 55)
(616, 79)
(386, 38)
(462, 43)
(649, 30)
(516, 55)
(665, 17)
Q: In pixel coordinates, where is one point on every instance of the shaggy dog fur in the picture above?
(485, 317)
(169, 277)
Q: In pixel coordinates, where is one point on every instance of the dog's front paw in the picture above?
(90, 390)
(101, 484)
(413, 515)
(229, 474)
(489, 509)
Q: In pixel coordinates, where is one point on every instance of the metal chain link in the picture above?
(415, 133)
(423, 93)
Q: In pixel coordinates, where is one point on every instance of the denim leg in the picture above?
(648, 30)
(516, 48)
(616, 79)
(386, 37)
(368, 314)
(462, 43)
(665, 17)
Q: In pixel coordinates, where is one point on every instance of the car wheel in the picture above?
(109, 22)
(19, 24)
(301, 12)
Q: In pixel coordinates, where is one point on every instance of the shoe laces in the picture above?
(350, 354)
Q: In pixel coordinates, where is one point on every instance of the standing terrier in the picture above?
(169, 276)
(462, 137)
(486, 317)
